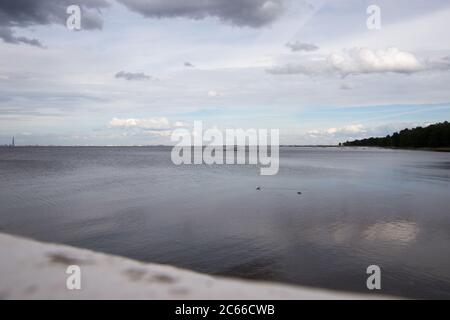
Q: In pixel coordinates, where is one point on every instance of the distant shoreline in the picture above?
(434, 137)
(441, 149)
(153, 146)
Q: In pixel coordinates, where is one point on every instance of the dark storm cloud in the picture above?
(132, 76)
(8, 36)
(188, 65)
(252, 13)
(27, 13)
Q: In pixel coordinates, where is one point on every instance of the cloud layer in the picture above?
(27, 13)
(7, 35)
(363, 60)
(132, 76)
(157, 123)
(360, 131)
(155, 126)
(357, 61)
(301, 46)
(251, 13)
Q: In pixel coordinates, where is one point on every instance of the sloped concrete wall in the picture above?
(34, 270)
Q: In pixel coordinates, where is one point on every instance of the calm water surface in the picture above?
(358, 207)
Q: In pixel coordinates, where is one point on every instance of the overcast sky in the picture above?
(139, 68)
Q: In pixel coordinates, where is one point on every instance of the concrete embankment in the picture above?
(35, 270)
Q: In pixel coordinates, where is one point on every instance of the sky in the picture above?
(138, 69)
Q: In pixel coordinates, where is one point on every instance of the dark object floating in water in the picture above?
(298, 192)
(258, 188)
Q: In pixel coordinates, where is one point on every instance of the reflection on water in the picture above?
(396, 232)
(357, 207)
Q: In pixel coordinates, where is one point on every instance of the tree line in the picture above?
(433, 136)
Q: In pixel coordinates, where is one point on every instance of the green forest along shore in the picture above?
(433, 137)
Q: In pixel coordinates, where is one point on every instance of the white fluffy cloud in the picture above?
(363, 60)
(352, 128)
(359, 131)
(179, 124)
(213, 93)
(158, 123)
(357, 61)
(146, 127)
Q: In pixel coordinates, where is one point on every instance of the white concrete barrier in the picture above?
(35, 270)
